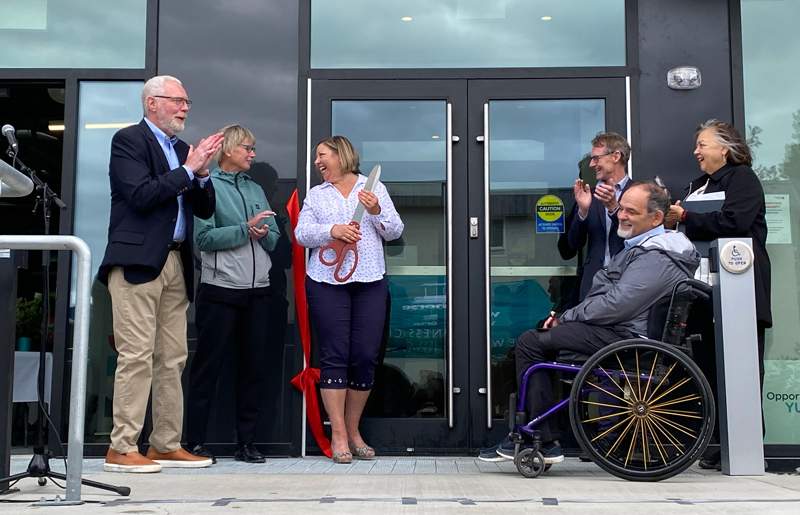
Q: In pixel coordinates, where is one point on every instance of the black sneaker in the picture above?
(550, 450)
(199, 449)
(491, 454)
(248, 454)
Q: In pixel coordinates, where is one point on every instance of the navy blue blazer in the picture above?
(591, 232)
(144, 207)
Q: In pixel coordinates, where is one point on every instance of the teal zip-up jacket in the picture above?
(231, 259)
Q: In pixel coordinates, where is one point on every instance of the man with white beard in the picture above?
(158, 185)
(651, 262)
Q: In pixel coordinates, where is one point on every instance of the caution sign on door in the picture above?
(549, 214)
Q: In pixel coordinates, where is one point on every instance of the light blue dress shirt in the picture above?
(168, 146)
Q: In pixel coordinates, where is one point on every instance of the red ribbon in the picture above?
(307, 380)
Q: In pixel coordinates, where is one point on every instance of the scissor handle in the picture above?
(340, 249)
(336, 246)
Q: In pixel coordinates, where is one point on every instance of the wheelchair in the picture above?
(640, 408)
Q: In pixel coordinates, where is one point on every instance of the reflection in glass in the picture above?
(772, 113)
(72, 34)
(536, 150)
(109, 105)
(407, 138)
(466, 33)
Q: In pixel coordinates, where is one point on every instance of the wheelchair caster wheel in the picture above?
(530, 464)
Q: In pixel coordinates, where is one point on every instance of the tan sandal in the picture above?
(362, 453)
(343, 458)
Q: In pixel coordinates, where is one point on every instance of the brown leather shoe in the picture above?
(132, 462)
(178, 459)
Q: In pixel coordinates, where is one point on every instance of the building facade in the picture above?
(480, 113)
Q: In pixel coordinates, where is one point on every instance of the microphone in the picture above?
(8, 132)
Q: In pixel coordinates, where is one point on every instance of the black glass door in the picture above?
(466, 163)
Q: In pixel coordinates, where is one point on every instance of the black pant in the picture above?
(349, 320)
(231, 321)
(532, 348)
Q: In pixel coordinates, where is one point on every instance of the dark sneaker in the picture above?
(199, 449)
(552, 453)
(550, 450)
(507, 447)
(490, 454)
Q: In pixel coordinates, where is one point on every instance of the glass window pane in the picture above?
(103, 108)
(407, 138)
(72, 34)
(537, 148)
(466, 33)
(772, 113)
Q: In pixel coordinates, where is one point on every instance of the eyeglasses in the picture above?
(179, 101)
(248, 148)
(596, 158)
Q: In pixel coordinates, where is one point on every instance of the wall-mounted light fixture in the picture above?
(684, 77)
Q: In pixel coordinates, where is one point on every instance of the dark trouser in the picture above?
(533, 347)
(230, 321)
(349, 320)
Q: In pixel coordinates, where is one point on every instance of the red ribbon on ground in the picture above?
(307, 380)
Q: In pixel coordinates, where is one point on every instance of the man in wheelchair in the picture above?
(616, 308)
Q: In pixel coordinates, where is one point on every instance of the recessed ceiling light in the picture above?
(435, 137)
(546, 18)
(406, 18)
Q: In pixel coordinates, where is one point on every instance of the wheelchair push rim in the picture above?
(642, 410)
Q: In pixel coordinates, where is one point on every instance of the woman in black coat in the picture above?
(726, 159)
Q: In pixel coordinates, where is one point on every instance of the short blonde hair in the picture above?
(341, 146)
(234, 136)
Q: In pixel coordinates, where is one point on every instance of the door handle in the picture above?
(473, 227)
(487, 271)
(449, 277)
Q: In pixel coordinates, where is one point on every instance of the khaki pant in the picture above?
(150, 336)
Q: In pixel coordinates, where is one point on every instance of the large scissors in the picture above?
(341, 248)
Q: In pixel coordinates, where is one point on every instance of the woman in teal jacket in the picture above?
(233, 297)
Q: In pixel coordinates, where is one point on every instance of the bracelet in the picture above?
(683, 215)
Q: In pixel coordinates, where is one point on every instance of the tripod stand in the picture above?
(39, 466)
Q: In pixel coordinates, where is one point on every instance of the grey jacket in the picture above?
(622, 294)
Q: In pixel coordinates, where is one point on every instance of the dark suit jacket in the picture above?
(743, 214)
(591, 232)
(144, 207)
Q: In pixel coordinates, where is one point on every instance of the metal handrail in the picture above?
(80, 349)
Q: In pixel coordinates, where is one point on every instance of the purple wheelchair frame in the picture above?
(530, 427)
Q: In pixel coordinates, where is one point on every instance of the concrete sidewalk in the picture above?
(410, 486)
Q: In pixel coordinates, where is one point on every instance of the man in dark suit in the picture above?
(158, 184)
(593, 221)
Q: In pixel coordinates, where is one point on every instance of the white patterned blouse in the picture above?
(325, 207)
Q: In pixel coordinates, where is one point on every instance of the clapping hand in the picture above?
(200, 156)
(583, 197)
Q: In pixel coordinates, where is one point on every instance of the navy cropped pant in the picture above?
(349, 320)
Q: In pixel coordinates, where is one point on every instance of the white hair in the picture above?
(155, 86)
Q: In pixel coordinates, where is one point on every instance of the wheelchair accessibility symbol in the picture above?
(736, 257)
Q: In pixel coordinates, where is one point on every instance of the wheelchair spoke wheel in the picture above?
(642, 410)
(530, 464)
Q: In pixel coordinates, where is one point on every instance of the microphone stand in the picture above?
(39, 466)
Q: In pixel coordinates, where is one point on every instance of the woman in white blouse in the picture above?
(348, 316)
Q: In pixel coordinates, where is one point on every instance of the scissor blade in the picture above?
(372, 180)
